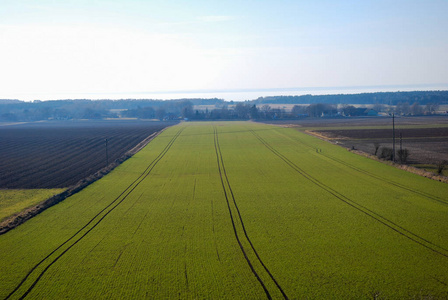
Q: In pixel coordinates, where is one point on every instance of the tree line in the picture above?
(385, 98)
(261, 108)
(13, 110)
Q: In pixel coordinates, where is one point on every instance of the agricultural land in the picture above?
(426, 138)
(15, 201)
(237, 210)
(57, 154)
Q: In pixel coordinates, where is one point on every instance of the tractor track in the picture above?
(377, 217)
(225, 183)
(420, 193)
(90, 225)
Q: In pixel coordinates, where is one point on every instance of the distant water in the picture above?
(229, 95)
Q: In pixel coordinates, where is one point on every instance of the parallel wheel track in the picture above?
(226, 185)
(420, 193)
(396, 184)
(388, 223)
(90, 225)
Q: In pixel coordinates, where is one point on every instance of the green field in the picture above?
(237, 210)
(14, 201)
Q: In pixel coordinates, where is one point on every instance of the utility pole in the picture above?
(107, 155)
(393, 137)
(401, 149)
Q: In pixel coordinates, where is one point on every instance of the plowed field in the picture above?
(59, 154)
(425, 137)
(425, 145)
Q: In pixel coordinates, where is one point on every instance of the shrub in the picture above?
(403, 155)
(386, 153)
(441, 166)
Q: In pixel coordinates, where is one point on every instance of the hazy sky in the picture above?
(70, 47)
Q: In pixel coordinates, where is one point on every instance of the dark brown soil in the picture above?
(59, 154)
(425, 133)
(362, 121)
(425, 145)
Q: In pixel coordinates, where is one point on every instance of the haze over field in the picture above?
(148, 49)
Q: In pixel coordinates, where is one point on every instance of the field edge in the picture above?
(407, 168)
(19, 218)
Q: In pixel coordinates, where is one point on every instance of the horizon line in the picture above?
(376, 88)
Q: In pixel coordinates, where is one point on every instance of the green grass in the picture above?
(14, 201)
(431, 168)
(326, 223)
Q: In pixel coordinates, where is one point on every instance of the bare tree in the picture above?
(441, 166)
(403, 155)
(416, 109)
(242, 110)
(386, 153)
(377, 146)
(431, 108)
(298, 110)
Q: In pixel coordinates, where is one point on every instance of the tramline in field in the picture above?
(237, 210)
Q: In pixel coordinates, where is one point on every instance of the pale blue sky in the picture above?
(71, 47)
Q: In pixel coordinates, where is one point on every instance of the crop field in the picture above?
(59, 154)
(426, 138)
(237, 210)
(14, 201)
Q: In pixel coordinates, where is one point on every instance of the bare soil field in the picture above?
(381, 134)
(364, 121)
(425, 145)
(425, 137)
(59, 154)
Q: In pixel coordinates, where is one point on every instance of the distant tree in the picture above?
(277, 113)
(349, 110)
(402, 108)
(431, 108)
(416, 109)
(403, 155)
(376, 145)
(242, 110)
(187, 112)
(147, 113)
(315, 110)
(198, 115)
(386, 153)
(160, 113)
(9, 117)
(298, 110)
(441, 166)
(225, 114)
(266, 111)
(90, 113)
(61, 114)
(320, 109)
(406, 108)
(253, 111)
(398, 109)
